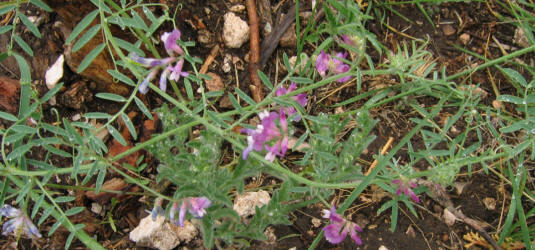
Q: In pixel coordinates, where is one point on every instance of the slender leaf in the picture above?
(111, 97)
(31, 27)
(121, 77)
(8, 116)
(23, 45)
(82, 25)
(74, 210)
(52, 92)
(245, 97)
(55, 227)
(41, 5)
(143, 108)
(129, 125)
(128, 46)
(515, 77)
(19, 151)
(116, 135)
(86, 37)
(90, 57)
(5, 28)
(63, 199)
(97, 115)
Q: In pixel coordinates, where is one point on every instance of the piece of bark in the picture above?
(9, 94)
(76, 96)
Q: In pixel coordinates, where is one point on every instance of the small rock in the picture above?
(459, 187)
(410, 232)
(289, 38)
(448, 30)
(215, 84)
(245, 204)
(382, 248)
(226, 63)
(302, 62)
(316, 222)
(225, 102)
(497, 104)
(267, 29)
(96, 208)
(449, 217)
(237, 8)
(55, 72)
(205, 37)
(270, 235)
(520, 38)
(76, 117)
(235, 31)
(490, 203)
(464, 38)
(161, 234)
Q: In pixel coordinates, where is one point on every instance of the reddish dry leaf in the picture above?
(9, 94)
(116, 184)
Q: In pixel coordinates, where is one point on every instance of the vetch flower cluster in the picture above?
(326, 63)
(19, 222)
(194, 205)
(176, 54)
(272, 132)
(339, 227)
(405, 187)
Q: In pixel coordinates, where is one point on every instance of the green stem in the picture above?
(493, 62)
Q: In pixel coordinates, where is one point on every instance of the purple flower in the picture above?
(169, 72)
(169, 40)
(19, 222)
(144, 86)
(150, 62)
(337, 231)
(176, 71)
(268, 132)
(194, 205)
(322, 63)
(334, 65)
(406, 187)
(300, 98)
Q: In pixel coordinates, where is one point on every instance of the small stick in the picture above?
(209, 59)
(383, 151)
(254, 55)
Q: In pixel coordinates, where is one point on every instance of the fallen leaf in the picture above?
(9, 94)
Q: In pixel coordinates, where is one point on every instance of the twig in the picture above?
(383, 151)
(272, 40)
(439, 195)
(209, 59)
(254, 55)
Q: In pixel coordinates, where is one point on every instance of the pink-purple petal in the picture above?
(334, 233)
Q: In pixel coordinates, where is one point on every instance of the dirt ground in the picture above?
(428, 231)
